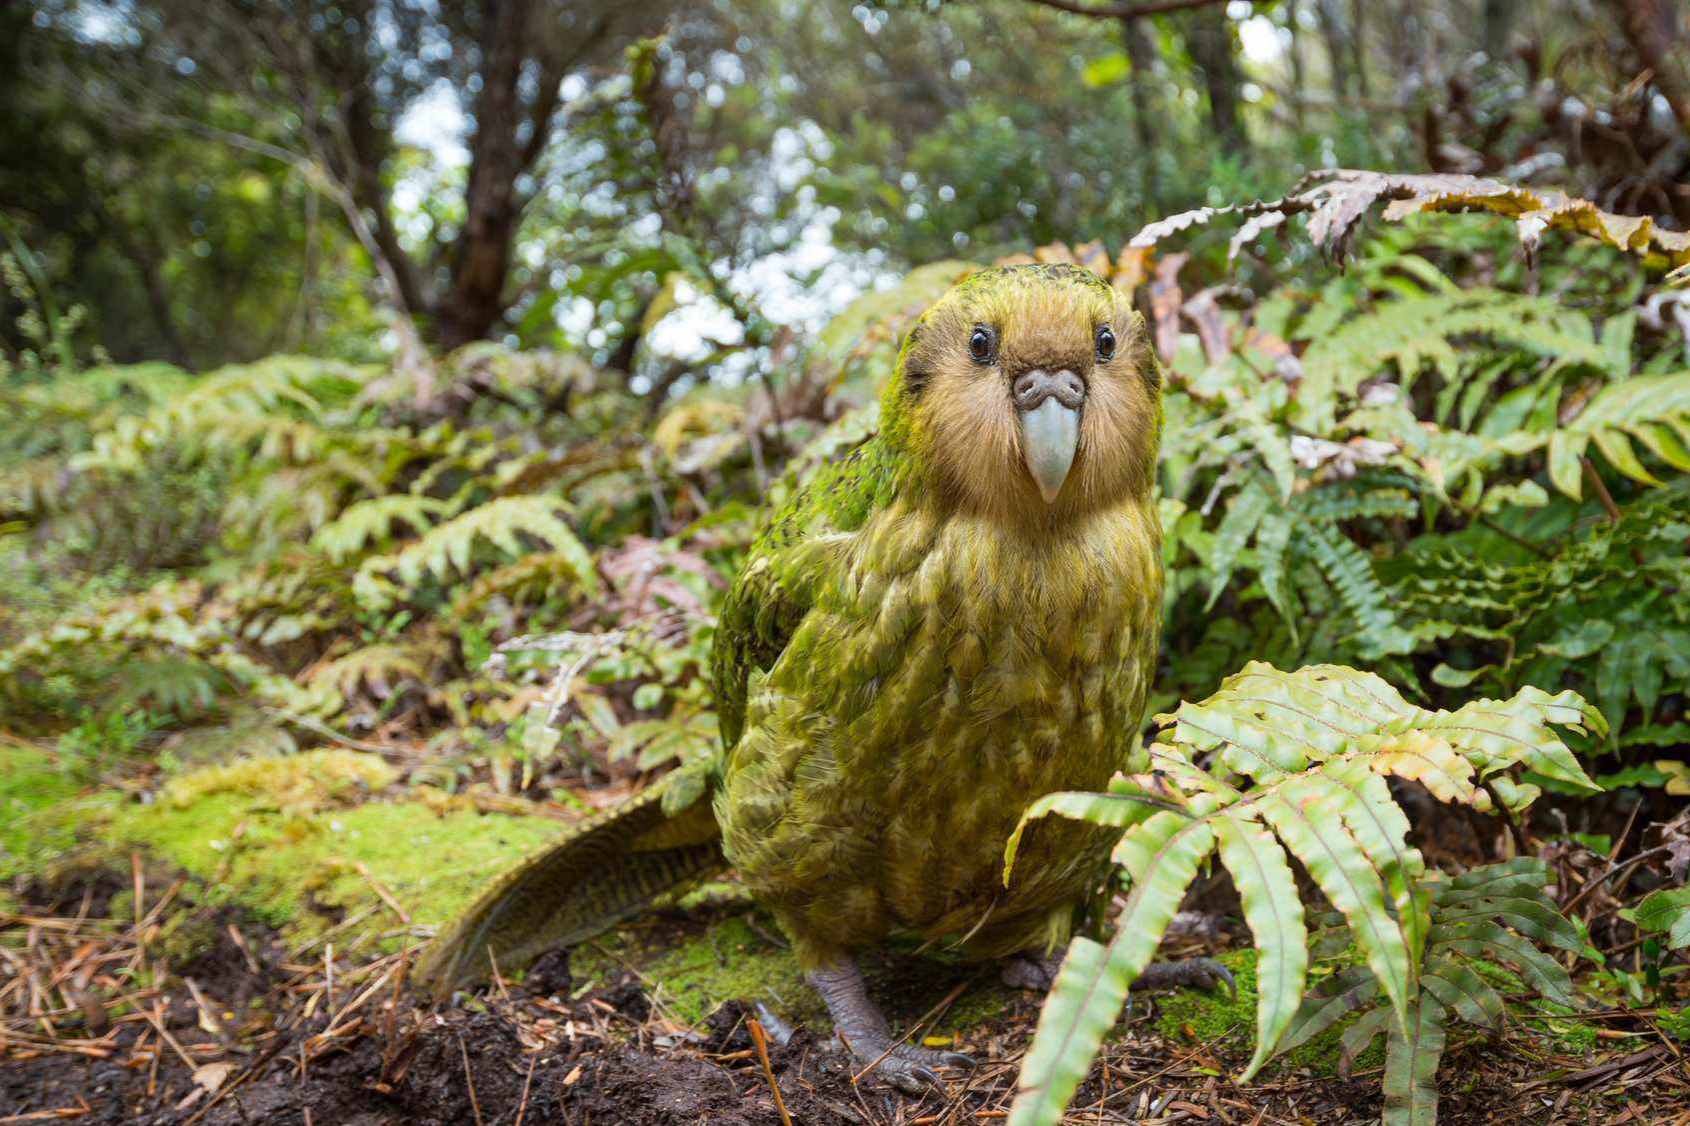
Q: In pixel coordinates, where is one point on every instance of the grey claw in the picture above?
(926, 1075)
(957, 1059)
(1219, 974)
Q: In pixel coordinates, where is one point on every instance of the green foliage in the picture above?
(1469, 918)
(449, 548)
(1279, 765)
(329, 542)
(1666, 912)
(1432, 478)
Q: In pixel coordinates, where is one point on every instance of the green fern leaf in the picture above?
(1092, 984)
(1303, 754)
(1308, 816)
(449, 547)
(363, 525)
(1274, 913)
(1489, 940)
(1458, 987)
(1352, 989)
(1666, 911)
(1350, 572)
(1359, 1037)
(1652, 409)
(1411, 1066)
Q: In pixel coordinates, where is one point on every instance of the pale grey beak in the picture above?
(1049, 404)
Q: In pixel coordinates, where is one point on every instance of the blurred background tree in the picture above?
(216, 181)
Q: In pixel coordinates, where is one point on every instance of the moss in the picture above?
(728, 959)
(1191, 1014)
(36, 803)
(738, 955)
(979, 1005)
(1536, 1014)
(306, 781)
(267, 833)
(1217, 1019)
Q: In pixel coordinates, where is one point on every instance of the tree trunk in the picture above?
(1333, 29)
(509, 137)
(1209, 38)
(1141, 53)
(1293, 10)
(368, 148)
(474, 298)
(1651, 27)
(1358, 46)
(1499, 17)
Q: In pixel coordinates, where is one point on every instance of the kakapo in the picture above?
(959, 616)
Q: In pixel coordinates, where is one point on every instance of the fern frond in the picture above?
(367, 523)
(379, 670)
(500, 523)
(1297, 765)
(1653, 410)
(1410, 335)
(1469, 917)
(1411, 1066)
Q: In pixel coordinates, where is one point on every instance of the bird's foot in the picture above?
(1030, 971)
(1038, 973)
(1195, 973)
(867, 1035)
(904, 1066)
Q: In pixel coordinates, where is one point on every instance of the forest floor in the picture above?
(233, 948)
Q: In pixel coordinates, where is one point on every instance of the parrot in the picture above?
(955, 618)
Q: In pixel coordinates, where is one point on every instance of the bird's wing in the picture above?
(775, 589)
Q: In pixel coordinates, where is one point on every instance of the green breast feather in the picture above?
(896, 685)
(904, 664)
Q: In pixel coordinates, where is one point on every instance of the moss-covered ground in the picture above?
(1226, 1025)
(302, 841)
(335, 840)
(33, 788)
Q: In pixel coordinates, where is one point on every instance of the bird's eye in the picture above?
(981, 345)
(1105, 342)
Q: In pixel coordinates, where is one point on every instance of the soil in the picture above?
(285, 1037)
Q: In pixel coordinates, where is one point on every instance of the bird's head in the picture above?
(1031, 391)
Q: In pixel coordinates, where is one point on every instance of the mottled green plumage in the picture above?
(918, 646)
(897, 678)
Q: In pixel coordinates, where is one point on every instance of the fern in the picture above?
(1653, 410)
(379, 671)
(1468, 915)
(1296, 764)
(449, 547)
(1665, 912)
(368, 523)
(271, 408)
(1413, 334)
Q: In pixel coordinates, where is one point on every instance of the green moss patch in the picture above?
(277, 836)
(1216, 1019)
(715, 955)
(693, 972)
(36, 824)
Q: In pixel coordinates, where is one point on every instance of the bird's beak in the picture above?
(1048, 404)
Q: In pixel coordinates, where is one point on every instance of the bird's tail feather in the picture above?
(601, 872)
